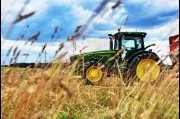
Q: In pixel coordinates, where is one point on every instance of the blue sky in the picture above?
(160, 19)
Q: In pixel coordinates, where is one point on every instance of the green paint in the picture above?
(105, 55)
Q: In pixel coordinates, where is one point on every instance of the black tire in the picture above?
(131, 73)
(93, 62)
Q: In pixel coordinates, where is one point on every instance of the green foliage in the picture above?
(66, 114)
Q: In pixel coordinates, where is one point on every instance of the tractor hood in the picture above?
(99, 52)
(89, 55)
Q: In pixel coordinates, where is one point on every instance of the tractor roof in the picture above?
(141, 34)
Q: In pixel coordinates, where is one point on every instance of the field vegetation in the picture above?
(56, 93)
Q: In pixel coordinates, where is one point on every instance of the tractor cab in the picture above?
(132, 41)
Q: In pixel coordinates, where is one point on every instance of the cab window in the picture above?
(131, 44)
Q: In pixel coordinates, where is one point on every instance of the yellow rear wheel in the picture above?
(94, 73)
(144, 67)
(147, 70)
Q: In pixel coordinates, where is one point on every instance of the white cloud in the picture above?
(40, 6)
(157, 5)
(161, 49)
(108, 17)
(94, 44)
(160, 10)
(165, 31)
(9, 9)
(160, 36)
(120, 15)
(156, 34)
(152, 7)
(33, 50)
(81, 13)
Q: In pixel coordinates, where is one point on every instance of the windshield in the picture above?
(131, 44)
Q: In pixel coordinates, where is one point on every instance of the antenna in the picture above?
(45, 56)
(73, 46)
(127, 18)
(125, 23)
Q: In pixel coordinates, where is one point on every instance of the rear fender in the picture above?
(135, 54)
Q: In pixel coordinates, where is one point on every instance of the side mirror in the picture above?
(150, 45)
(110, 35)
(153, 44)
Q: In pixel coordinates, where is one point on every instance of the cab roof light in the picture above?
(119, 29)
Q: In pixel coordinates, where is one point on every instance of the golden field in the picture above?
(55, 93)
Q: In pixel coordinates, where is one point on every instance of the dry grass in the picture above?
(143, 100)
(56, 93)
(33, 93)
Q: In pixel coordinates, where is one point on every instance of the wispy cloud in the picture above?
(159, 19)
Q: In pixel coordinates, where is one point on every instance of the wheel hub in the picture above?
(147, 70)
(94, 73)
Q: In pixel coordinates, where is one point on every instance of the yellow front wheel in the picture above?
(94, 73)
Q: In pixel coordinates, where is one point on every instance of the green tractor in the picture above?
(133, 62)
